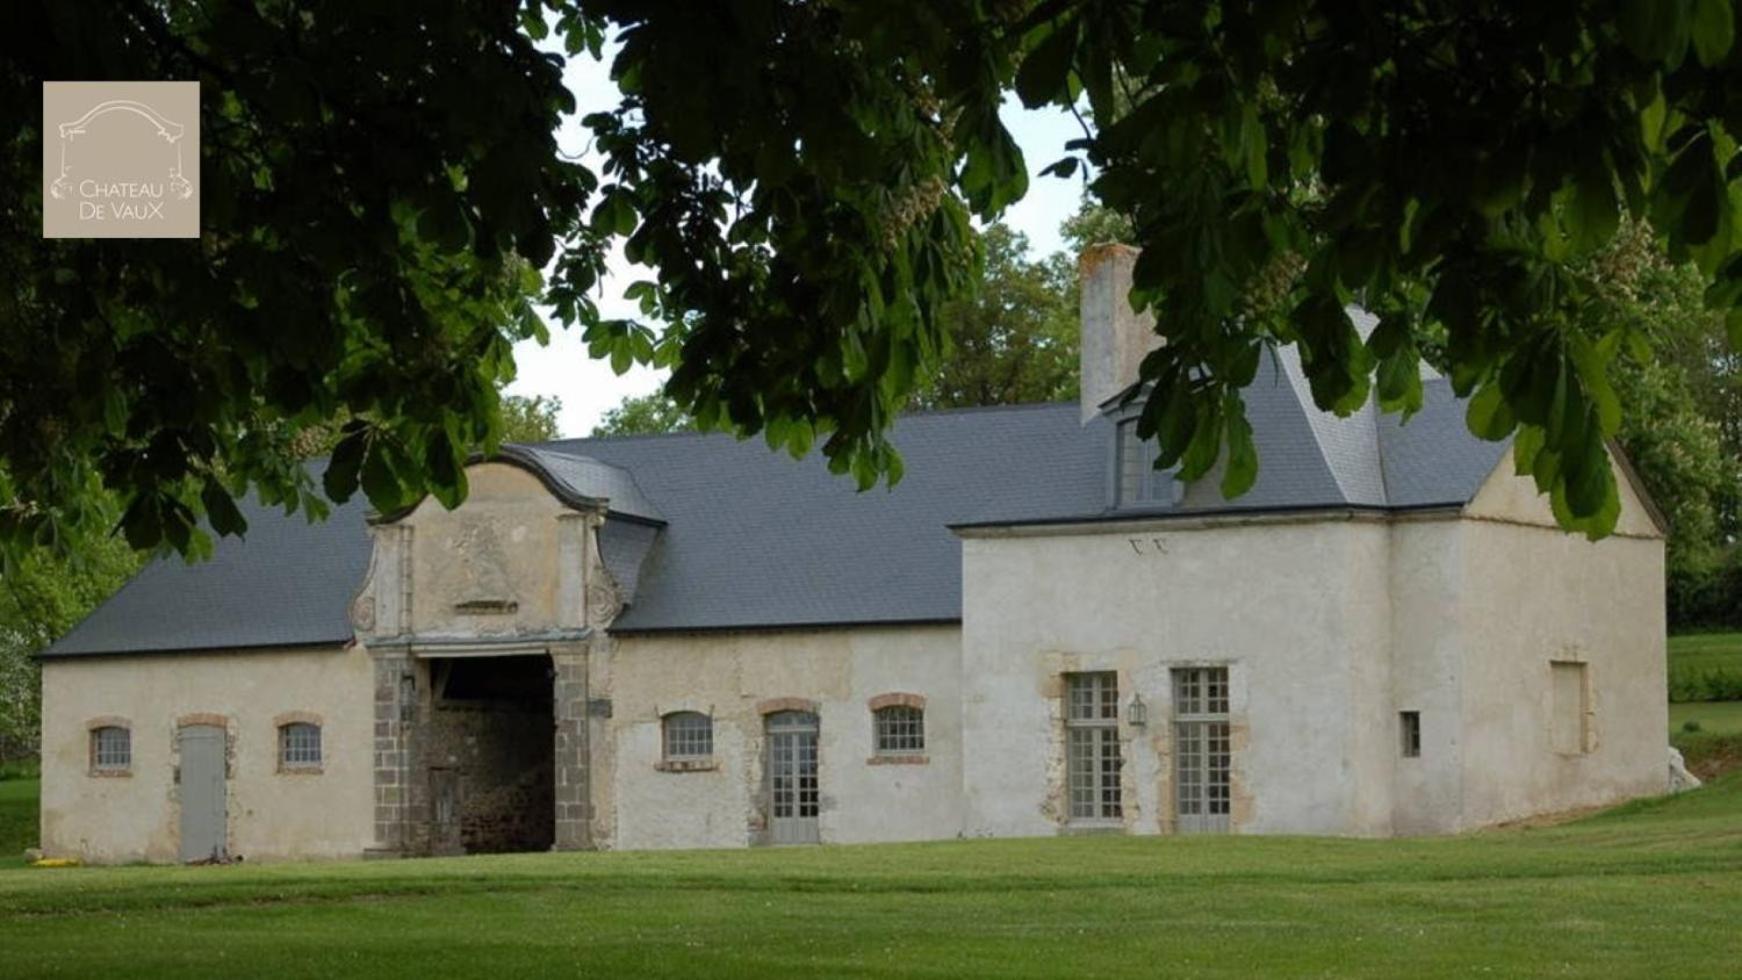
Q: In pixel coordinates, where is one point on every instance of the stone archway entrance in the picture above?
(489, 747)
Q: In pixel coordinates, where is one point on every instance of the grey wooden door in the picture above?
(204, 833)
(792, 777)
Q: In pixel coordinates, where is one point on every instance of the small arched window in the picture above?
(111, 749)
(299, 745)
(900, 729)
(689, 737)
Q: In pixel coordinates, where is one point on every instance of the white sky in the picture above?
(588, 387)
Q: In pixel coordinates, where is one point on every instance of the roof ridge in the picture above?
(567, 441)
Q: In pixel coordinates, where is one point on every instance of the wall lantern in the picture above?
(1137, 713)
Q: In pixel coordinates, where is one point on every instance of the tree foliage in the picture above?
(797, 178)
(42, 596)
(1014, 340)
(380, 186)
(642, 415)
(531, 419)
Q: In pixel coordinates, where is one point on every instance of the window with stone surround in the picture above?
(111, 749)
(900, 730)
(299, 745)
(1092, 745)
(689, 737)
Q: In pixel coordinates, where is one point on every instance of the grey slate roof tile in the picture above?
(752, 538)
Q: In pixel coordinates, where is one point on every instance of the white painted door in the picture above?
(204, 829)
(792, 777)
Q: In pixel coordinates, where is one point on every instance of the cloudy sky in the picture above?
(588, 387)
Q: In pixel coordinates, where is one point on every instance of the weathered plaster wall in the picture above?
(1297, 612)
(726, 675)
(271, 815)
(1427, 584)
(1533, 594)
(511, 560)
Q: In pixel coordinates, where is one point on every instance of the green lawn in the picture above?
(1706, 651)
(17, 819)
(1715, 717)
(1653, 889)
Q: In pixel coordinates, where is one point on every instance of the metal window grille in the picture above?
(1092, 758)
(111, 748)
(1409, 723)
(900, 730)
(299, 744)
(689, 735)
(1203, 750)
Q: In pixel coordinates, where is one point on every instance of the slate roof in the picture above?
(707, 532)
(289, 584)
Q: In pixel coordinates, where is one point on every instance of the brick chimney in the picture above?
(1115, 337)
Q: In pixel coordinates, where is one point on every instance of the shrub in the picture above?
(1691, 726)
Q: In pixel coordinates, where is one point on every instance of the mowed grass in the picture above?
(1652, 889)
(1713, 717)
(1705, 651)
(18, 812)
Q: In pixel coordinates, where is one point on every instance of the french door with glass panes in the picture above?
(793, 791)
(1092, 759)
(1202, 752)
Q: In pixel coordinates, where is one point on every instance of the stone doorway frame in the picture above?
(403, 705)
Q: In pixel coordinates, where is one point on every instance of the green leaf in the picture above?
(380, 482)
(343, 468)
(1488, 415)
(1526, 445)
(1242, 468)
(221, 511)
(1714, 30)
(1595, 212)
(1045, 73)
(447, 471)
(1256, 147)
(1655, 30)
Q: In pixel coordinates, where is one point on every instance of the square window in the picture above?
(689, 737)
(900, 730)
(299, 746)
(111, 749)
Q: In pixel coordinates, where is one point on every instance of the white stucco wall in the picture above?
(1531, 595)
(1330, 628)
(271, 815)
(1296, 610)
(727, 675)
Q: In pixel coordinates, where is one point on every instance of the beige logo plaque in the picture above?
(121, 159)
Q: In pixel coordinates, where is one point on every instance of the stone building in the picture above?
(689, 641)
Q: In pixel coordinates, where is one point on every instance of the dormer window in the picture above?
(1137, 483)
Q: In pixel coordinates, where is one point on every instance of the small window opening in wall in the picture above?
(689, 737)
(900, 730)
(1410, 724)
(111, 749)
(299, 746)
